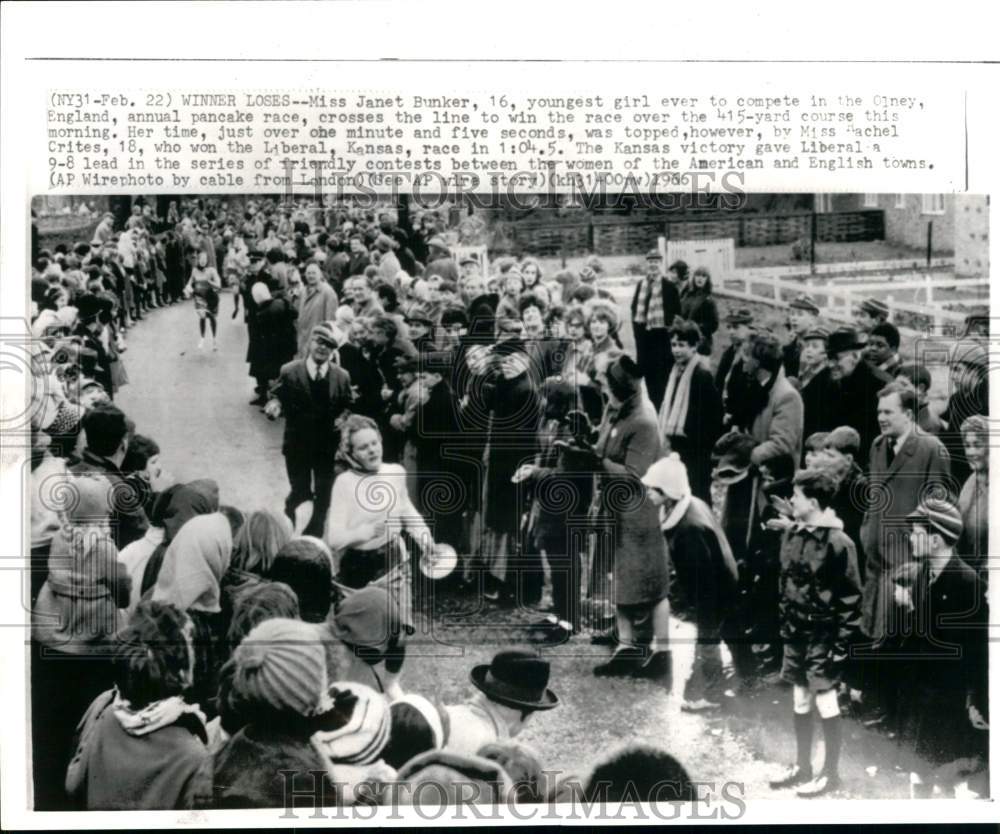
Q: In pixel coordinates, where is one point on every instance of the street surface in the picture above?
(195, 405)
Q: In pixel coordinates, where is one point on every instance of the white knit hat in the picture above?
(669, 475)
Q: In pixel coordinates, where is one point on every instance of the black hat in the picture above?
(843, 338)
(741, 315)
(804, 302)
(88, 305)
(816, 333)
(517, 678)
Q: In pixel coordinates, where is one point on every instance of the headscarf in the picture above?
(192, 499)
(194, 565)
(186, 502)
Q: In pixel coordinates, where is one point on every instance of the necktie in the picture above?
(890, 453)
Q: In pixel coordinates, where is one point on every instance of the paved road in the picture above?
(194, 404)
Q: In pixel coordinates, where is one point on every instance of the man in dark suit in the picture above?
(655, 304)
(312, 394)
(906, 465)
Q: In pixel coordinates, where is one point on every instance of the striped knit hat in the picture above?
(364, 736)
(282, 663)
(940, 516)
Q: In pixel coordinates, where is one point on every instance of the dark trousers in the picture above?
(564, 568)
(652, 350)
(310, 476)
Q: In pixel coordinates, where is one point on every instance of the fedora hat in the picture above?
(517, 678)
(843, 338)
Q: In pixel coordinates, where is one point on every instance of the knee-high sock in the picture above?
(803, 739)
(831, 744)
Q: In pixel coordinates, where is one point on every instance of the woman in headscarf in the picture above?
(184, 503)
(191, 578)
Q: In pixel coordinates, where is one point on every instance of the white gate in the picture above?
(717, 255)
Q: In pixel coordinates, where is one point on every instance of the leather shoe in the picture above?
(622, 663)
(604, 638)
(792, 777)
(659, 666)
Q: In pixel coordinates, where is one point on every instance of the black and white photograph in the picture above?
(426, 414)
(368, 501)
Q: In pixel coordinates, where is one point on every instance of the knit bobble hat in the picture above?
(669, 475)
(282, 663)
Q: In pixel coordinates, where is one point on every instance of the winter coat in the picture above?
(820, 589)
(854, 402)
(628, 444)
(276, 332)
(116, 771)
(898, 488)
(130, 494)
(700, 308)
(248, 769)
(702, 427)
(318, 304)
(703, 562)
(944, 639)
(778, 427)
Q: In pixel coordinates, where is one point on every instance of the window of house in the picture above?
(824, 203)
(871, 201)
(933, 204)
(900, 201)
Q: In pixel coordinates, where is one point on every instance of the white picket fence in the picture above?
(838, 288)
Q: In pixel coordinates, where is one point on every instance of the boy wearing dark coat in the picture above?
(942, 687)
(820, 596)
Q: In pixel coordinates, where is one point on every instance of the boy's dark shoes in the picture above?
(792, 777)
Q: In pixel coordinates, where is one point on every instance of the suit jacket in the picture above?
(895, 491)
(292, 391)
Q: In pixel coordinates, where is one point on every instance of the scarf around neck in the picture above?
(677, 400)
(154, 716)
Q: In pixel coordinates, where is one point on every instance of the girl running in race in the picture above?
(205, 285)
